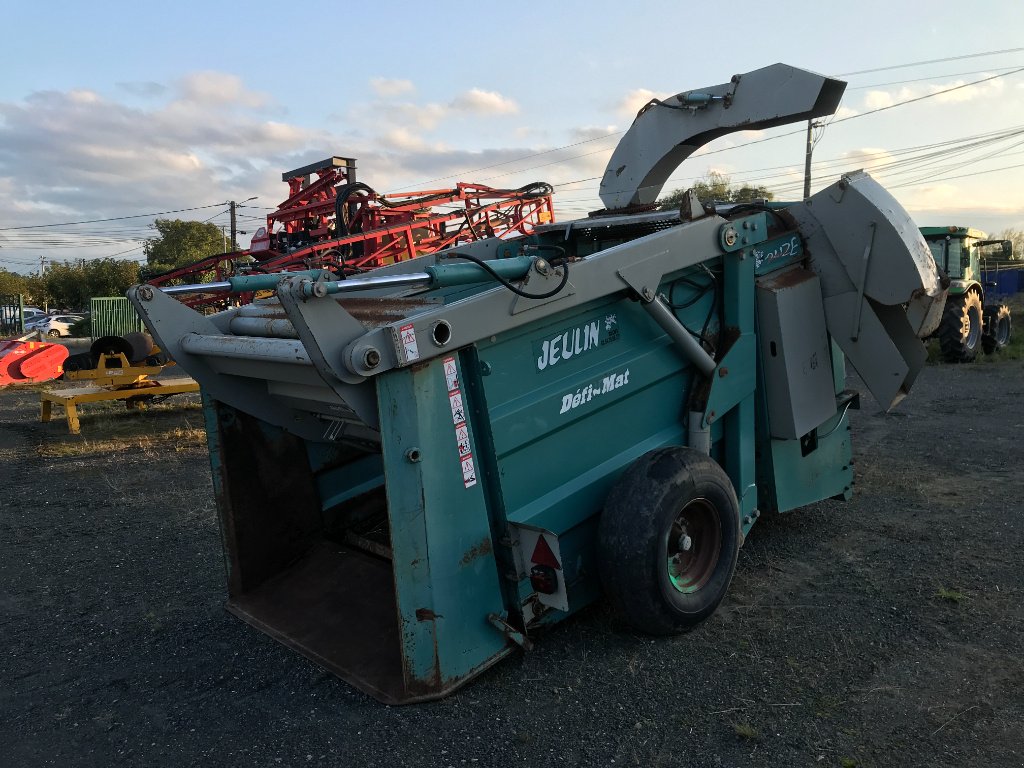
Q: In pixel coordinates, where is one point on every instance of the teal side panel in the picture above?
(826, 470)
(822, 474)
(737, 371)
(564, 430)
(446, 578)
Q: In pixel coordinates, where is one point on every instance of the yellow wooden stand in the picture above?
(70, 399)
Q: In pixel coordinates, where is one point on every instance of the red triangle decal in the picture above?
(542, 554)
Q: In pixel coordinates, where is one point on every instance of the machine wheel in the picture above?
(54, 334)
(960, 329)
(668, 540)
(997, 321)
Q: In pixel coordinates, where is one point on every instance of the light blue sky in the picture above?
(113, 109)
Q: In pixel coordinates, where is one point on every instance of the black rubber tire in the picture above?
(83, 361)
(999, 327)
(54, 334)
(960, 330)
(640, 516)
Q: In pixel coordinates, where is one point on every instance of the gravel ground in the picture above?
(878, 632)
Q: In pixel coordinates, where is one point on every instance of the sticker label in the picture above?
(458, 408)
(609, 383)
(458, 411)
(462, 438)
(577, 340)
(451, 374)
(409, 346)
(468, 472)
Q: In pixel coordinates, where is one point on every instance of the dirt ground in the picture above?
(883, 631)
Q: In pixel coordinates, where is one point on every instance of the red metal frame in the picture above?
(376, 230)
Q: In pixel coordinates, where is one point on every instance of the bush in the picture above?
(82, 328)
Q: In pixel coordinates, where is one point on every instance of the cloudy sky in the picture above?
(114, 109)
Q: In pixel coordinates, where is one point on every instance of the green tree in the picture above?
(717, 187)
(12, 283)
(71, 285)
(1016, 236)
(179, 243)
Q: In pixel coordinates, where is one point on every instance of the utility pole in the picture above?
(234, 228)
(807, 158)
(807, 163)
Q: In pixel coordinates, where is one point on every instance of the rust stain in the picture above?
(477, 550)
(381, 311)
(426, 614)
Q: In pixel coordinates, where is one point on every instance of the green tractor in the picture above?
(969, 323)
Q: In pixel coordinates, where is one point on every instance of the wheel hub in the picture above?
(694, 544)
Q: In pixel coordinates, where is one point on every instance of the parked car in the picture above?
(33, 314)
(56, 325)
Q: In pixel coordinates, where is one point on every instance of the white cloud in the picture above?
(218, 89)
(482, 102)
(879, 99)
(634, 101)
(844, 112)
(387, 87)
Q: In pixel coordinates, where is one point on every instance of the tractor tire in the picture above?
(960, 330)
(668, 540)
(999, 327)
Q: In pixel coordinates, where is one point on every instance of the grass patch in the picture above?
(847, 762)
(107, 428)
(746, 731)
(950, 595)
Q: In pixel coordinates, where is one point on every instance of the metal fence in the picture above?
(112, 316)
(11, 314)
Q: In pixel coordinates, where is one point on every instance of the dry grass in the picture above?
(107, 428)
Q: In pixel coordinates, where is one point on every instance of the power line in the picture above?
(113, 218)
(931, 61)
(925, 79)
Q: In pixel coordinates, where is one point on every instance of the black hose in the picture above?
(518, 291)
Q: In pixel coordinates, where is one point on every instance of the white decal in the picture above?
(412, 351)
(451, 374)
(609, 383)
(780, 251)
(468, 472)
(462, 438)
(574, 341)
(458, 411)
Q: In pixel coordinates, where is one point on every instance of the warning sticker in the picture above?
(462, 438)
(409, 347)
(451, 374)
(468, 472)
(458, 411)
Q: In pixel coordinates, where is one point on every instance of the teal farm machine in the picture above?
(420, 469)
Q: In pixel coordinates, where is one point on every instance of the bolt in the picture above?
(319, 289)
(748, 520)
(648, 294)
(746, 225)
(145, 293)
(371, 357)
(413, 455)
(685, 543)
(723, 372)
(542, 267)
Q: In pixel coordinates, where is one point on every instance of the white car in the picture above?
(55, 325)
